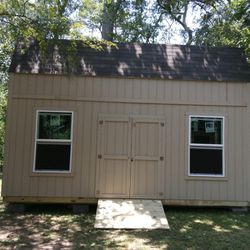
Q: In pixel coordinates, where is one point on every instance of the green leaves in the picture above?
(3, 107)
(228, 25)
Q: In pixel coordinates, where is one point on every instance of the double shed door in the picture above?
(130, 156)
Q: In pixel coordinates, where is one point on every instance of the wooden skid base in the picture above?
(86, 200)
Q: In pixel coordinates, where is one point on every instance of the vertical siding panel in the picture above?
(88, 141)
(183, 91)
(8, 156)
(30, 85)
(72, 84)
(238, 157)
(199, 190)
(128, 89)
(175, 91)
(21, 90)
(112, 89)
(80, 86)
(28, 150)
(167, 91)
(152, 90)
(13, 84)
(144, 89)
(181, 149)
(39, 91)
(160, 90)
(97, 87)
(51, 185)
(19, 138)
(247, 140)
(121, 89)
(105, 88)
(136, 89)
(175, 153)
(89, 87)
(168, 153)
(77, 150)
(48, 85)
(231, 155)
(43, 186)
(56, 86)
(33, 186)
(59, 187)
(207, 192)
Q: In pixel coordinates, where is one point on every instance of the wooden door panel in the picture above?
(114, 178)
(130, 160)
(147, 154)
(146, 139)
(113, 166)
(144, 179)
(116, 138)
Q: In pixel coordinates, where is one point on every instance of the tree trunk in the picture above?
(110, 12)
(107, 21)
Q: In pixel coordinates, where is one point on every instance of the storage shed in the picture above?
(145, 121)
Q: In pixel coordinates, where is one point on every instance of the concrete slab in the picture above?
(130, 214)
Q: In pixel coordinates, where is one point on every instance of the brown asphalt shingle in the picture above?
(162, 61)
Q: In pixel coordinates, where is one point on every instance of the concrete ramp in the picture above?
(130, 214)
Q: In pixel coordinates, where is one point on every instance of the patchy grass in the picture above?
(55, 227)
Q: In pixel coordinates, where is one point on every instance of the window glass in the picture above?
(206, 161)
(54, 125)
(206, 130)
(53, 142)
(54, 157)
(206, 147)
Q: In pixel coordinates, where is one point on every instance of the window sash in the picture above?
(41, 113)
(212, 118)
(206, 146)
(53, 141)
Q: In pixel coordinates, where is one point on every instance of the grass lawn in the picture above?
(55, 227)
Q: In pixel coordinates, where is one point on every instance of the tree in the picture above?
(122, 20)
(177, 10)
(228, 25)
(23, 19)
(3, 105)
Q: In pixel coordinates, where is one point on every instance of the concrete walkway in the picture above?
(130, 214)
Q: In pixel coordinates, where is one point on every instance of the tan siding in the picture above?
(247, 144)
(89, 97)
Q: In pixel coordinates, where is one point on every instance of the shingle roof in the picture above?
(135, 60)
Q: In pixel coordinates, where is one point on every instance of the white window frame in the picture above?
(51, 141)
(214, 146)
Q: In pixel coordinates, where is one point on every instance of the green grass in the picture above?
(55, 227)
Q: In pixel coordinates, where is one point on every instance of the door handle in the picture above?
(132, 159)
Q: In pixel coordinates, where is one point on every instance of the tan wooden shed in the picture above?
(146, 121)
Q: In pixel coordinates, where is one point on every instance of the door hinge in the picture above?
(161, 158)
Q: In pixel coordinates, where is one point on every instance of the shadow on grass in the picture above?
(55, 227)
